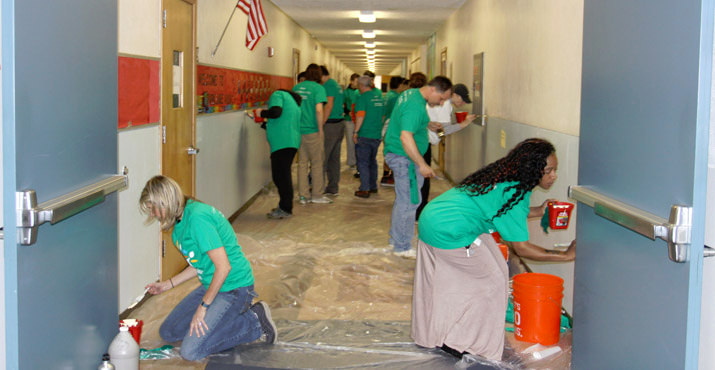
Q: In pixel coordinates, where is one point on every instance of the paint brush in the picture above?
(138, 299)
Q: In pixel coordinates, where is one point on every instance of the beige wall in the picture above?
(532, 52)
(139, 34)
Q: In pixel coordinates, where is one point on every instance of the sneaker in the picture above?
(362, 194)
(331, 194)
(303, 200)
(278, 214)
(321, 200)
(410, 253)
(388, 181)
(264, 318)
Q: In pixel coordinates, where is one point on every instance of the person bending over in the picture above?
(461, 280)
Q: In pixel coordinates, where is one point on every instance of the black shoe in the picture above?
(356, 175)
(373, 191)
(362, 194)
(267, 325)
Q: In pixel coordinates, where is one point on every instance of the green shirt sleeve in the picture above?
(413, 118)
(320, 95)
(361, 105)
(276, 100)
(512, 225)
(205, 234)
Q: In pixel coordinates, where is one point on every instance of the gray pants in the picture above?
(333, 140)
(349, 143)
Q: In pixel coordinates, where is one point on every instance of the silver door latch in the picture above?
(192, 151)
(676, 231)
(30, 215)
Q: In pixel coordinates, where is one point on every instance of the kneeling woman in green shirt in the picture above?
(460, 287)
(217, 315)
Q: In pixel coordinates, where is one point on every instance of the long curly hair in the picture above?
(524, 165)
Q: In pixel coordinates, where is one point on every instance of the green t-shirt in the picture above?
(351, 96)
(336, 91)
(284, 131)
(409, 114)
(203, 228)
(390, 100)
(312, 93)
(374, 107)
(455, 218)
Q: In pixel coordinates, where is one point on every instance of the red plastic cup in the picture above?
(257, 117)
(135, 330)
(559, 214)
(461, 116)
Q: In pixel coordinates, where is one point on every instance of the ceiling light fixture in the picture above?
(369, 44)
(368, 34)
(369, 51)
(367, 16)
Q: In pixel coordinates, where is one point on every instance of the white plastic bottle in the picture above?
(124, 351)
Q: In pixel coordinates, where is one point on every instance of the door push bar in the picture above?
(675, 231)
(30, 215)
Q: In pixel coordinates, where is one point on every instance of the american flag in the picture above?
(257, 26)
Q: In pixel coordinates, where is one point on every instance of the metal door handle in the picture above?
(676, 231)
(30, 215)
(192, 151)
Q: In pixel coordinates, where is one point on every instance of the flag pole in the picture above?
(224, 29)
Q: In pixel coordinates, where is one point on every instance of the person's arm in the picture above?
(534, 252)
(359, 119)
(222, 268)
(408, 143)
(328, 108)
(319, 118)
(540, 210)
(162, 286)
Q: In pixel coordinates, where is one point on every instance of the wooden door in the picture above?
(177, 110)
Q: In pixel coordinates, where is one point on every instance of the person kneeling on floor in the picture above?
(217, 315)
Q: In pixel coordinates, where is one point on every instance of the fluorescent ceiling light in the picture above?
(369, 51)
(369, 44)
(367, 16)
(368, 34)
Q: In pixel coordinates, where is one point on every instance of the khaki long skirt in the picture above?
(460, 300)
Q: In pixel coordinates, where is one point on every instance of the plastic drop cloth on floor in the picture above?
(339, 298)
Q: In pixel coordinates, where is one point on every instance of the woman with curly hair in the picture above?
(460, 288)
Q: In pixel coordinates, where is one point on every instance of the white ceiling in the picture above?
(401, 26)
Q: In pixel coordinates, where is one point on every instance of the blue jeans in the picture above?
(230, 322)
(366, 152)
(402, 225)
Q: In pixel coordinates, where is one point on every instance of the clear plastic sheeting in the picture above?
(339, 297)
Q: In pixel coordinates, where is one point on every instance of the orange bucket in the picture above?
(504, 251)
(559, 214)
(537, 307)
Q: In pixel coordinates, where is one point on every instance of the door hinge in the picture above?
(163, 249)
(163, 18)
(163, 134)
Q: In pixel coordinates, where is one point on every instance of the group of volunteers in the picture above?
(461, 280)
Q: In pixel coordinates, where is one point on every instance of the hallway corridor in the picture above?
(339, 298)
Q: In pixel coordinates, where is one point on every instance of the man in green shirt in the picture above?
(311, 152)
(369, 113)
(397, 86)
(405, 143)
(334, 131)
(351, 94)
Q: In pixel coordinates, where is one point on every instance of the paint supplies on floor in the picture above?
(124, 351)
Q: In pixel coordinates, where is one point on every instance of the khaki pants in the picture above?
(311, 152)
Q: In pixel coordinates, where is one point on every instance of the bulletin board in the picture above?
(223, 89)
